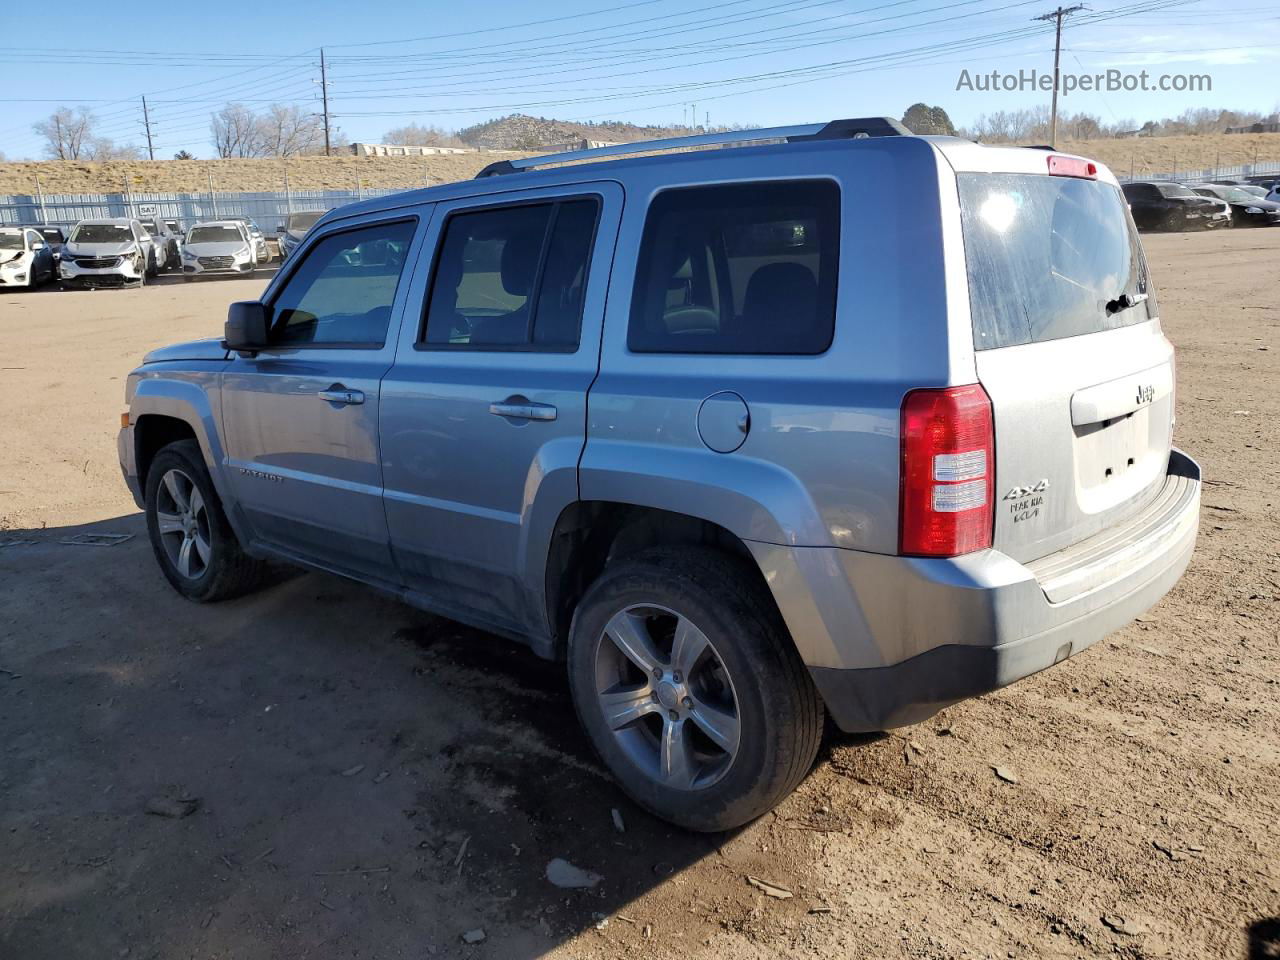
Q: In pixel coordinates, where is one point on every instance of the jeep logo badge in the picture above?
(1146, 393)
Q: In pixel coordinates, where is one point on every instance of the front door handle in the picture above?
(340, 394)
(523, 410)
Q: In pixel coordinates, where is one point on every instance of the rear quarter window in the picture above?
(738, 269)
(1046, 256)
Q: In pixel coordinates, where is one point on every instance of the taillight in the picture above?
(948, 472)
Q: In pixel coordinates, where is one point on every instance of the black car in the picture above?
(1161, 205)
(1247, 209)
(53, 236)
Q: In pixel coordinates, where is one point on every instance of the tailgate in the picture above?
(1070, 352)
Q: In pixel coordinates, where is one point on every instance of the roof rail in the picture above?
(835, 130)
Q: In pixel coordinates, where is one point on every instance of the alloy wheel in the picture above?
(183, 521)
(667, 697)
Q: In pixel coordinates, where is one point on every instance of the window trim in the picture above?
(640, 251)
(554, 200)
(295, 262)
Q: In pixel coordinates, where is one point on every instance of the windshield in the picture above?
(11, 241)
(101, 233)
(302, 222)
(51, 234)
(149, 226)
(1174, 190)
(1235, 194)
(215, 235)
(1048, 257)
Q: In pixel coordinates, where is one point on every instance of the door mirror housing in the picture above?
(246, 328)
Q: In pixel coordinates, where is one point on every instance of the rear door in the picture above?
(1071, 353)
(484, 413)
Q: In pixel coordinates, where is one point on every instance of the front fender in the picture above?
(187, 395)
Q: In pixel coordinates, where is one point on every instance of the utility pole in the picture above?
(1057, 15)
(146, 122)
(324, 99)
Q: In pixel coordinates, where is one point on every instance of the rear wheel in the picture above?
(195, 546)
(690, 688)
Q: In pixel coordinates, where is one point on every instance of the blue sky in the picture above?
(761, 62)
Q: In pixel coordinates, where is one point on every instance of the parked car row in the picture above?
(1165, 205)
(127, 251)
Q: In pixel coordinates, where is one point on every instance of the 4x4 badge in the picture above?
(1017, 493)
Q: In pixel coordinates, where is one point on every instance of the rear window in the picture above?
(742, 269)
(1049, 257)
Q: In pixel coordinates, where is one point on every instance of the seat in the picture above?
(517, 270)
(779, 306)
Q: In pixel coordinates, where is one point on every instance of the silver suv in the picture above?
(847, 422)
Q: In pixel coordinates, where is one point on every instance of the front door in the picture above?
(300, 419)
(484, 413)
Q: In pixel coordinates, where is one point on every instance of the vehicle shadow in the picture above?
(1264, 939)
(366, 779)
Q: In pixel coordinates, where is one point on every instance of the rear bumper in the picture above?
(899, 638)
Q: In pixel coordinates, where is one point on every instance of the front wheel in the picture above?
(194, 544)
(690, 688)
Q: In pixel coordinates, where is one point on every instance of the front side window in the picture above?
(342, 291)
(512, 277)
(741, 269)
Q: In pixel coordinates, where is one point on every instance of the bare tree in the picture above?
(235, 132)
(416, 135)
(104, 150)
(287, 131)
(68, 134)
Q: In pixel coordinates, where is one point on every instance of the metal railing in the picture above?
(1237, 172)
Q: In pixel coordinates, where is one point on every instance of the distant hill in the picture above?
(521, 132)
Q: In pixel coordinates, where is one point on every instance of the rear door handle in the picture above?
(523, 410)
(340, 394)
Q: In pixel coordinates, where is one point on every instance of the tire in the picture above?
(741, 723)
(195, 546)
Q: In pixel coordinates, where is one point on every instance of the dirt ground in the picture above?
(376, 783)
(1141, 155)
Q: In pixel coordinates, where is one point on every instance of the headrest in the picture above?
(520, 262)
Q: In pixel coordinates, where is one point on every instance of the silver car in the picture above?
(218, 248)
(845, 422)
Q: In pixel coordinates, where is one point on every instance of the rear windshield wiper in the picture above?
(1125, 301)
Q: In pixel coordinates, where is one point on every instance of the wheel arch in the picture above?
(590, 535)
(165, 410)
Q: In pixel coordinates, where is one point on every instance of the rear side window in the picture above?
(1049, 257)
(740, 269)
(342, 291)
(512, 278)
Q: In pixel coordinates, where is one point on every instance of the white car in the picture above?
(168, 241)
(218, 248)
(111, 252)
(26, 260)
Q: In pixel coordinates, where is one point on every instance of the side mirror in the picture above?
(246, 328)
(37, 246)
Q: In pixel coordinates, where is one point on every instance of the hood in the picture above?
(8, 256)
(1270, 206)
(296, 235)
(210, 349)
(223, 249)
(99, 249)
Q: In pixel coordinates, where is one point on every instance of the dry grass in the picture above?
(1142, 155)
